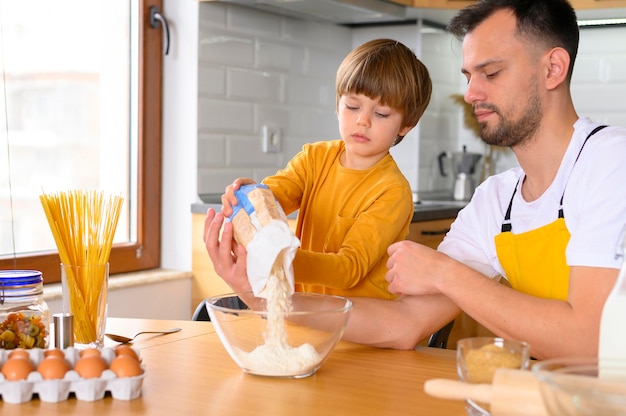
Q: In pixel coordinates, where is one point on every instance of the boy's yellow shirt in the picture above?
(346, 220)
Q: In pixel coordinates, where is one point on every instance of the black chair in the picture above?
(439, 339)
(201, 313)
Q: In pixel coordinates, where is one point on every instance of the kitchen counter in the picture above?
(431, 206)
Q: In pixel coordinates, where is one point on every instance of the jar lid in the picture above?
(20, 277)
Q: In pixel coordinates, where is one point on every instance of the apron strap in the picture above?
(506, 224)
(594, 131)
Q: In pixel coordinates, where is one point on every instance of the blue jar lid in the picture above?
(20, 277)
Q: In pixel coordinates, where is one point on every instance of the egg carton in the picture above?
(85, 389)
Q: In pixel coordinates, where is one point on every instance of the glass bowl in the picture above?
(570, 386)
(478, 358)
(294, 344)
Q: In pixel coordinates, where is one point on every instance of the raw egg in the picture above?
(54, 353)
(126, 366)
(88, 352)
(17, 368)
(90, 366)
(126, 350)
(19, 352)
(53, 367)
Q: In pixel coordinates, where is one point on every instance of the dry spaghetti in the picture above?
(83, 225)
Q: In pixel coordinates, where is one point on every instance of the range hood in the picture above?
(337, 11)
(362, 12)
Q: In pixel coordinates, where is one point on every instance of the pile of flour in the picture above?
(276, 357)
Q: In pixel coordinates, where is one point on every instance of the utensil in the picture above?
(126, 340)
(612, 335)
(463, 165)
(512, 392)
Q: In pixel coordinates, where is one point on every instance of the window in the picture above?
(80, 108)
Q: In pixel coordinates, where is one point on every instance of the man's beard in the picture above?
(510, 132)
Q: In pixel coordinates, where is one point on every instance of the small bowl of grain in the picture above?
(291, 338)
(478, 358)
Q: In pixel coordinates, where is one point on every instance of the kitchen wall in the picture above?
(232, 69)
(258, 68)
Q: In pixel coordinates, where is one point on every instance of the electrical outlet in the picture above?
(271, 139)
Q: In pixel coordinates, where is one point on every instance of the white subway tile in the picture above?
(218, 116)
(211, 151)
(211, 81)
(599, 98)
(212, 14)
(273, 115)
(245, 151)
(254, 86)
(226, 48)
(324, 62)
(311, 90)
(254, 21)
(216, 180)
(280, 57)
(312, 33)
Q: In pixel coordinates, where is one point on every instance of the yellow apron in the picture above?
(534, 262)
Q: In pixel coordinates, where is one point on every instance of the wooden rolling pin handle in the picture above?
(444, 388)
(513, 393)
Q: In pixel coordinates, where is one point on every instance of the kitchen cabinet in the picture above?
(205, 282)
(459, 4)
(429, 233)
(597, 4)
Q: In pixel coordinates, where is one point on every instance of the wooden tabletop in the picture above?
(190, 373)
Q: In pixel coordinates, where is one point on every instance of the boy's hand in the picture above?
(229, 200)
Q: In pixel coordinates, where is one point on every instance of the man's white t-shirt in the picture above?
(594, 205)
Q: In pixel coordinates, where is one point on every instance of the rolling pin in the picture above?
(512, 392)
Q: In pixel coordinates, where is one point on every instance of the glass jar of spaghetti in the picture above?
(24, 315)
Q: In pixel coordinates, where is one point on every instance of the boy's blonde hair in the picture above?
(387, 69)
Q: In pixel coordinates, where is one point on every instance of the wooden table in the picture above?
(190, 373)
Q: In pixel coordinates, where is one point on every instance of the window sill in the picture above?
(53, 291)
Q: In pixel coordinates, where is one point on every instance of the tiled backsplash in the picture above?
(257, 68)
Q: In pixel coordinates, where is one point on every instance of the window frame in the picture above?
(145, 253)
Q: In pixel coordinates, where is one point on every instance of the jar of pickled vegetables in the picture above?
(24, 315)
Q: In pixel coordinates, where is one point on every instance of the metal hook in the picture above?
(157, 18)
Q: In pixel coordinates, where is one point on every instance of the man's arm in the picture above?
(400, 323)
(553, 328)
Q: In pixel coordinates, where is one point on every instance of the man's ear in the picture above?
(557, 62)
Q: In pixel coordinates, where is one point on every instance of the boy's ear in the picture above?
(404, 130)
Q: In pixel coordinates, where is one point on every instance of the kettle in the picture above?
(464, 167)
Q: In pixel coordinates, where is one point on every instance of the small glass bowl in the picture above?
(478, 358)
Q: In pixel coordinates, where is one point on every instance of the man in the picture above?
(549, 227)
